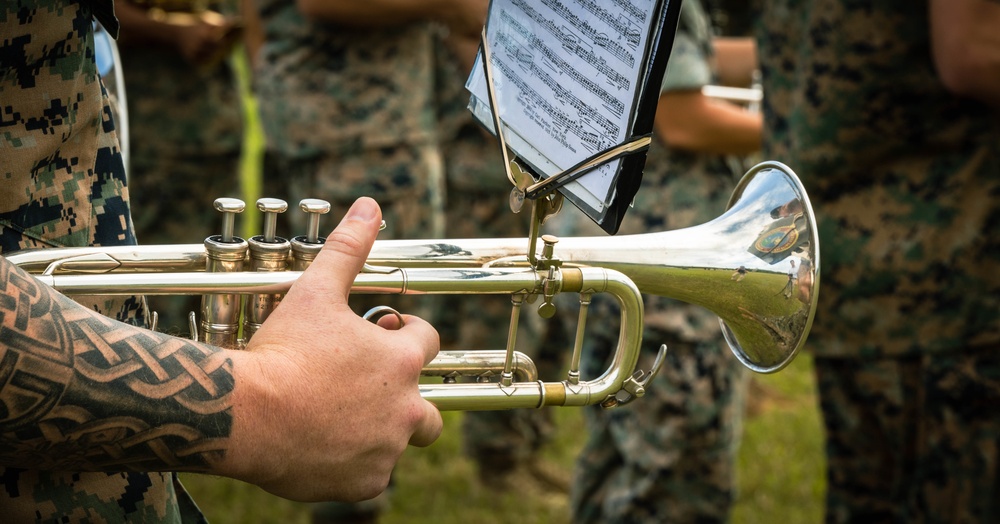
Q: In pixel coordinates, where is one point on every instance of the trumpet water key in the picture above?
(756, 266)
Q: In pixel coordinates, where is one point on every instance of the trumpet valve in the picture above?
(271, 207)
(229, 207)
(224, 253)
(315, 208)
(268, 252)
(306, 247)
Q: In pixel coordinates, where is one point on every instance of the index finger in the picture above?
(345, 251)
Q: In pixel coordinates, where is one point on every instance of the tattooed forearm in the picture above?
(82, 392)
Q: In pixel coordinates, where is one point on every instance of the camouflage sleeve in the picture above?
(82, 392)
(688, 67)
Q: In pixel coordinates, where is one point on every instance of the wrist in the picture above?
(251, 451)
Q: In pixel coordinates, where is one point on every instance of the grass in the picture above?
(780, 466)
(779, 471)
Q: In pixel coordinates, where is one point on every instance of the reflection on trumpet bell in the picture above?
(756, 267)
(737, 265)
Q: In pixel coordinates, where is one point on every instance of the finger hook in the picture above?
(377, 312)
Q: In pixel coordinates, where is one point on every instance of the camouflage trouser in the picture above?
(73, 496)
(405, 180)
(172, 203)
(913, 439)
(668, 456)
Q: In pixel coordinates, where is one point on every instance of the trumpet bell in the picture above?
(756, 266)
(767, 336)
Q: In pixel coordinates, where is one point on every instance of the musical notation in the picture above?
(629, 28)
(567, 74)
(575, 44)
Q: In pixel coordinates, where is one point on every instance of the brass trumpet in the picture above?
(756, 266)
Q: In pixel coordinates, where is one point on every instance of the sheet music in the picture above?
(566, 74)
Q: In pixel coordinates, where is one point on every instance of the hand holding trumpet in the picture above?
(323, 395)
(319, 406)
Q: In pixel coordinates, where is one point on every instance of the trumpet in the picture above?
(756, 266)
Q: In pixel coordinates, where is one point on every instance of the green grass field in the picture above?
(779, 474)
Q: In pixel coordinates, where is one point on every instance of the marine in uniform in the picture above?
(905, 179)
(350, 112)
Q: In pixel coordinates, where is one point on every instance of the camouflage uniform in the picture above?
(905, 178)
(64, 185)
(350, 113)
(669, 456)
(347, 113)
(184, 135)
(477, 206)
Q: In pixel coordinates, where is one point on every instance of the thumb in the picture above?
(346, 250)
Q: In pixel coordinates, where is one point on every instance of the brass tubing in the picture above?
(757, 266)
(460, 396)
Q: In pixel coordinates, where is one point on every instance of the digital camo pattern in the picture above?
(912, 439)
(63, 184)
(185, 131)
(325, 87)
(904, 180)
(53, 193)
(177, 109)
(669, 456)
(477, 206)
(903, 176)
(349, 113)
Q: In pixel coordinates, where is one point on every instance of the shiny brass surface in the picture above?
(756, 266)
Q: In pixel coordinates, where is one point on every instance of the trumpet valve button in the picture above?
(229, 207)
(271, 207)
(315, 208)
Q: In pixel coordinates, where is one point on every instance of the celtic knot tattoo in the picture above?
(82, 392)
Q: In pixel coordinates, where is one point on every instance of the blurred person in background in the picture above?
(888, 111)
(185, 124)
(669, 456)
(97, 412)
(348, 106)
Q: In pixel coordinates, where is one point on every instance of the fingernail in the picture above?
(363, 210)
